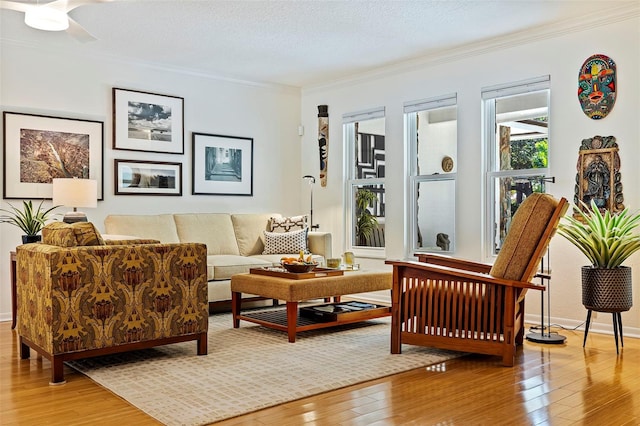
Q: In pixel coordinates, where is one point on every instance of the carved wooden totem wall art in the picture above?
(598, 176)
(323, 141)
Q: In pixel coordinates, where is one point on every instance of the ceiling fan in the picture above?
(53, 16)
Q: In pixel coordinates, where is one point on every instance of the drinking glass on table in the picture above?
(349, 258)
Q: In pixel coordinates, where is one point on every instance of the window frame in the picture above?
(352, 183)
(490, 161)
(411, 108)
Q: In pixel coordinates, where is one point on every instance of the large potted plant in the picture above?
(31, 220)
(607, 240)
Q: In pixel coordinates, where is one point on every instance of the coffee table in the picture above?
(293, 291)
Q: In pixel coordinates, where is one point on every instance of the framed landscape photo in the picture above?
(39, 148)
(148, 122)
(222, 165)
(135, 177)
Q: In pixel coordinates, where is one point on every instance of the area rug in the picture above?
(251, 368)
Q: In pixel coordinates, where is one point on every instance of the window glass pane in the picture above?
(436, 144)
(435, 214)
(368, 225)
(511, 191)
(521, 131)
(369, 149)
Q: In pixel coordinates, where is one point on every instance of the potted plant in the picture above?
(366, 223)
(31, 220)
(607, 240)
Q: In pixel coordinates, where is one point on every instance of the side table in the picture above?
(14, 278)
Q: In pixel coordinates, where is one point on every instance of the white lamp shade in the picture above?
(75, 192)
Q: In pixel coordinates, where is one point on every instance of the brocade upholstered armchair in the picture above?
(80, 297)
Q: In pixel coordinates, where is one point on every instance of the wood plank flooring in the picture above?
(550, 385)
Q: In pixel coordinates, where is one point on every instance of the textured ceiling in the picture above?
(304, 43)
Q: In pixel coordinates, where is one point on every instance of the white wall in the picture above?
(40, 81)
(561, 58)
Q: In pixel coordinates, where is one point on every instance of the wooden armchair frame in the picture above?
(450, 303)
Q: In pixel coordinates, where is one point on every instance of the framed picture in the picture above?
(222, 165)
(148, 122)
(135, 177)
(38, 148)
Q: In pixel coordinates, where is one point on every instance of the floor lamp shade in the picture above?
(75, 193)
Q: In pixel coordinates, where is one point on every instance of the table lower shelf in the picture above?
(277, 319)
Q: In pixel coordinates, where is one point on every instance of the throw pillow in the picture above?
(71, 235)
(58, 234)
(285, 242)
(287, 224)
(87, 234)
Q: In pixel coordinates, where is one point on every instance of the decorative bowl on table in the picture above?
(299, 267)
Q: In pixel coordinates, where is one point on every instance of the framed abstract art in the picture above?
(39, 148)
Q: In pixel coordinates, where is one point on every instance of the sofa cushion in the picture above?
(157, 226)
(213, 229)
(287, 224)
(71, 235)
(285, 242)
(222, 266)
(248, 228)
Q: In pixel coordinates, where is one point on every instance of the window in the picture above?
(432, 136)
(516, 142)
(364, 135)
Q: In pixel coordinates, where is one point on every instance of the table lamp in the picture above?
(74, 192)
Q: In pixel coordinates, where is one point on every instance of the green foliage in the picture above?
(366, 223)
(607, 240)
(529, 154)
(30, 220)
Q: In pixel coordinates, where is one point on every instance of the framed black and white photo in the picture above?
(222, 165)
(133, 177)
(148, 122)
(39, 148)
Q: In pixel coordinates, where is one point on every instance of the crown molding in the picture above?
(116, 59)
(542, 32)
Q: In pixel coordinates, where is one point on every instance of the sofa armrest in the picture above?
(320, 243)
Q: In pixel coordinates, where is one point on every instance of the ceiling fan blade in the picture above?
(68, 5)
(79, 33)
(14, 5)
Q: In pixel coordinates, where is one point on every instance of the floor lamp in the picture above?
(311, 181)
(545, 337)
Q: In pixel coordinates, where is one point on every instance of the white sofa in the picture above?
(235, 242)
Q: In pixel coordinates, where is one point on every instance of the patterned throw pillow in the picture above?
(58, 234)
(288, 224)
(71, 235)
(285, 242)
(87, 234)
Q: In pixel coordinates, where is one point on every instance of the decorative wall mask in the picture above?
(598, 178)
(597, 86)
(323, 141)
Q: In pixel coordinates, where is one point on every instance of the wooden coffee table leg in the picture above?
(292, 320)
(236, 302)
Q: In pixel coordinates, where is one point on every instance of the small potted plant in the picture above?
(607, 240)
(31, 220)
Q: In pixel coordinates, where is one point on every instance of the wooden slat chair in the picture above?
(449, 303)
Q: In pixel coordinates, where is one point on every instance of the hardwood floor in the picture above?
(550, 385)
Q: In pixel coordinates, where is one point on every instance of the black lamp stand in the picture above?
(545, 337)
